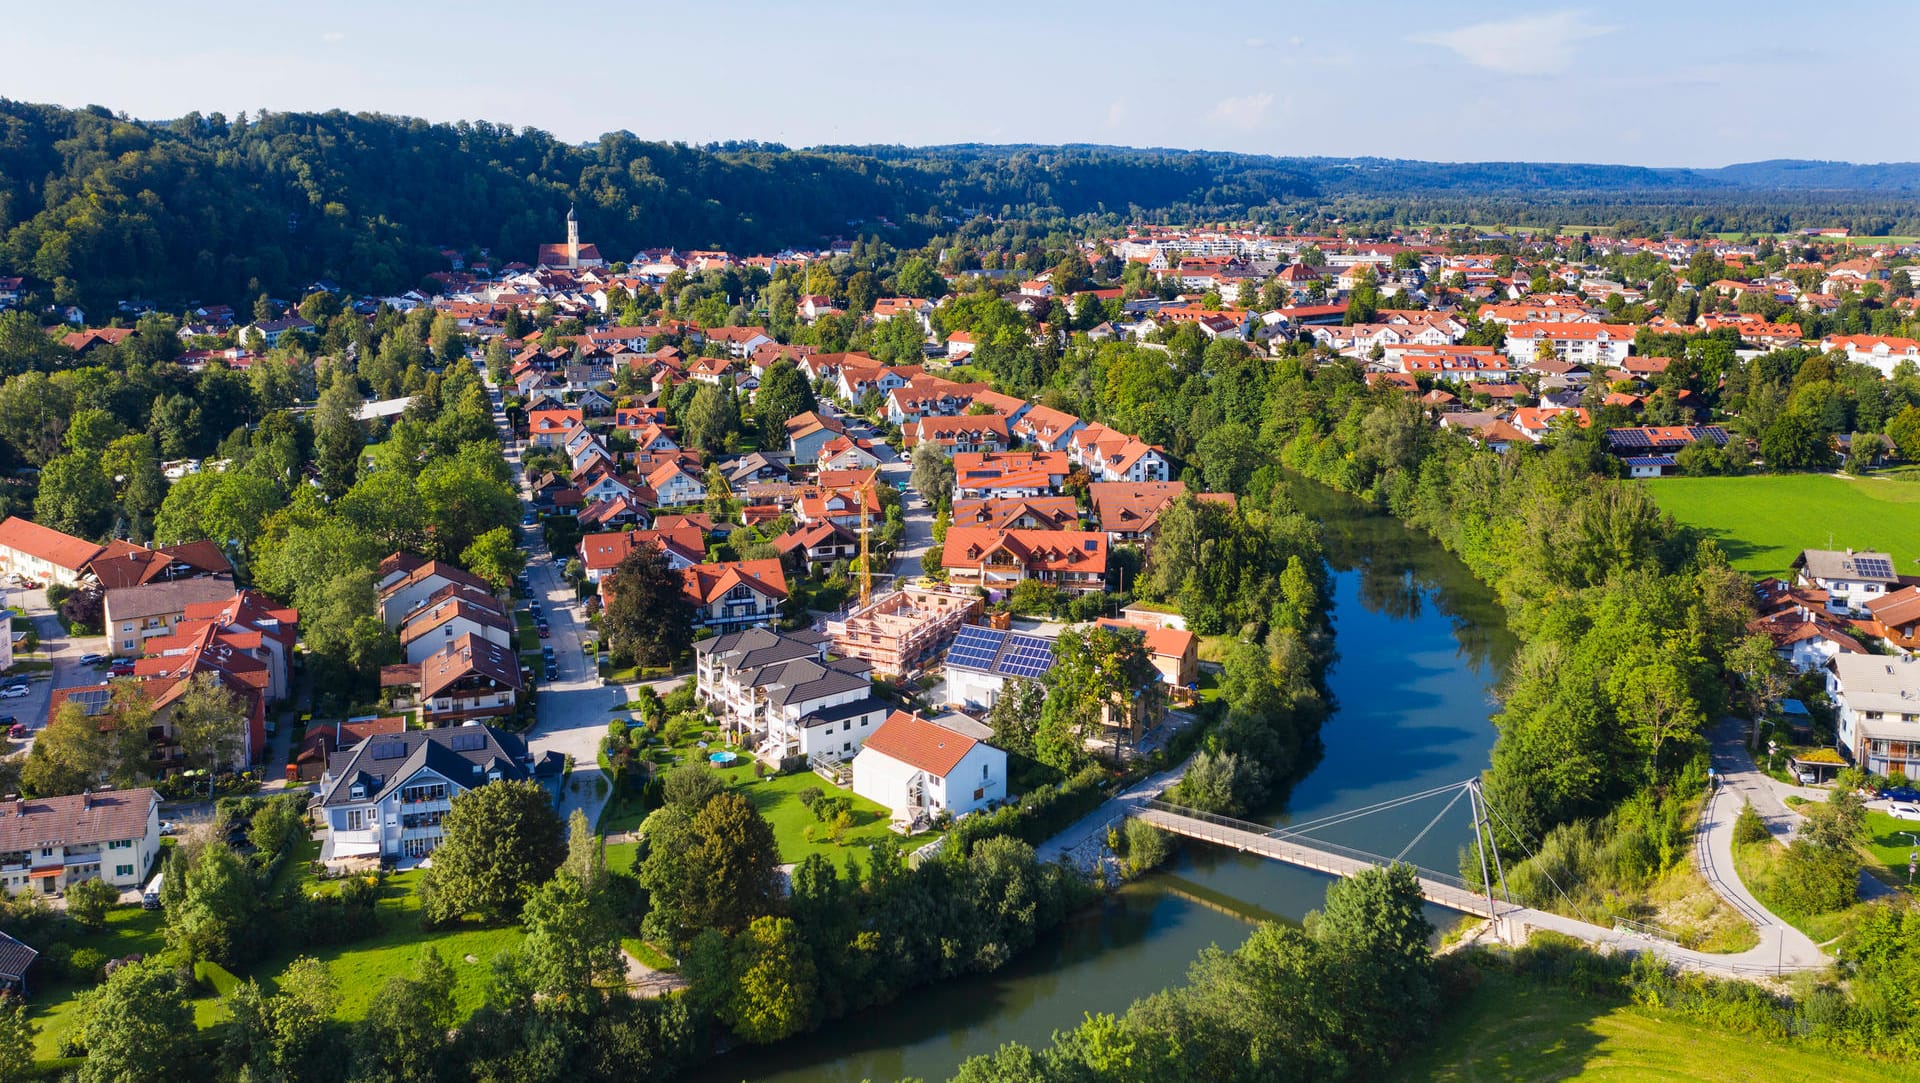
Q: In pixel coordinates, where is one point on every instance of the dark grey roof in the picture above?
(828, 715)
(756, 647)
(808, 679)
(15, 958)
(463, 755)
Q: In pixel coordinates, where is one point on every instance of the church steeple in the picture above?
(573, 238)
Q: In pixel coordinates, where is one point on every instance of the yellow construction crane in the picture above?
(866, 552)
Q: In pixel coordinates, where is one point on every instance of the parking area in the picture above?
(75, 661)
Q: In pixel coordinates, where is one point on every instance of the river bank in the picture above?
(1420, 644)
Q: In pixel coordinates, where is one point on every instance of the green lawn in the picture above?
(1512, 1029)
(1889, 846)
(359, 968)
(778, 799)
(1763, 522)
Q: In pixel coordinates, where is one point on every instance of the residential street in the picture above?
(573, 710)
(67, 670)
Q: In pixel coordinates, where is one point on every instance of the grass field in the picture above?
(359, 968)
(1512, 1029)
(1763, 522)
(778, 799)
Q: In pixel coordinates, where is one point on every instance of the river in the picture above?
(1420, 644)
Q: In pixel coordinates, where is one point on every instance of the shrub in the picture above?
(809, 795)
(87, 964)
(1748, 827)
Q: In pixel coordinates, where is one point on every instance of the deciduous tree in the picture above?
(500, 841)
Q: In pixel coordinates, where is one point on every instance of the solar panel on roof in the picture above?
(469, 742)
(390, 750)
(93, 700)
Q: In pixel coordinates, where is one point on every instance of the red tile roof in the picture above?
(58, 549)
(921, 744)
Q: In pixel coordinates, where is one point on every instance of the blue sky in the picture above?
(1671, 83)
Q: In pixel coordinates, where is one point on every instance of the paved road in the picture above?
(571, 711)
(1748, 785)
(918, 513)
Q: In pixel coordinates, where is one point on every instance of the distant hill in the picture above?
(96, 208)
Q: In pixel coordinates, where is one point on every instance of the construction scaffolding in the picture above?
(902, 631)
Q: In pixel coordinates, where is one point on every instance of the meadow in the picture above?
(1762, 522)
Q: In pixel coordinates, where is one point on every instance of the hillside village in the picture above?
(872, 541)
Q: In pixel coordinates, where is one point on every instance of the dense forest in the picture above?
(96, 208)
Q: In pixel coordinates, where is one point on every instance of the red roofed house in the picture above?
(549, 428)
(600, 554)
(977, 432)
(469, 678)
(735, 594)
(41, 553)
(920, 769)
(1072, 560)
(1175, 651)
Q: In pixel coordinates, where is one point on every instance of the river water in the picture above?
(1421, 646)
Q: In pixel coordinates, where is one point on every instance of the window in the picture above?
(119, 844)
(978, 794)
(126, 644)
(847, 725)
(846, 746)
(123, 870)
(356, 819)
(983, 772)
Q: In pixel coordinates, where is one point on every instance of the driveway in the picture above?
(65, 653)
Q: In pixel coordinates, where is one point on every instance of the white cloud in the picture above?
(1246, 111)
(1528, 45)
(1256, 43)
(333, 37)
(1117, 113)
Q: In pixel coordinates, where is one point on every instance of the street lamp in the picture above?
(1913, 855)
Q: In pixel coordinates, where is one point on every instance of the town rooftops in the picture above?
(83, 819)
(1878, 682)
(466, 656)
(159, 599)
(708, 583)
(918, 743)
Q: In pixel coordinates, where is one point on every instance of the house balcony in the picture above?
(413, 834)
(441, 804)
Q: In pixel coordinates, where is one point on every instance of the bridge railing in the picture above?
(1305, 842)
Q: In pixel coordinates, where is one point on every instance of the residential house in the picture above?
(407, 582)
(785, 697)
(1883, 352)
(675, 485)
(1876, 700)
(810, 546)
(551, 427)
(739, 341)
(1018, 513)
(1896, 617)
(919, 769)
(846, 453)
(1851, 580)
(452, 614)
(1045, 428)
(1008, 473)
(388, 796)
(1110, 455)
(136, 614)
(807, 432)
(1602, 344)
(981, 660)
(1175, 651)
(43, 554)
(755, 466)
(1072, 560)
(966, 433)
(1130, 511)
(601, 554)
(734, 594)
(124, 565)
(274, 330)
(49, 844)
(465, 679)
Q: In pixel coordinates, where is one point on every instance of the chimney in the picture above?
(86, 798)
(19, 806)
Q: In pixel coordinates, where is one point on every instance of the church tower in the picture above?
(573, 238)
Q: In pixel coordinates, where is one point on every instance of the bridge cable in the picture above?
(1338, 818)
(1430, 824)
(1530, 852)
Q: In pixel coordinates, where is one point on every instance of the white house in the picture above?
(48, 844)
(1876, 701)
(982, 660)
(919, 769)
(1598, 344)
(387, 796)
(1850, 579)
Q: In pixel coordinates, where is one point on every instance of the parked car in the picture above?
(541, 628)
(92, 658)
(167, 827)
(547, 653)
(553, 673)
(1901, 793)
(14, 691)
(121, 667)
(17, 731)
(1904, 811)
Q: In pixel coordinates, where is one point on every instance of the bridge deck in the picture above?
(1763, 960)
(1451, 896)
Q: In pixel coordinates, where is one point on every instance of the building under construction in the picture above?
(902, 631)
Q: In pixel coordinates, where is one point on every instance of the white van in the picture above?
(150, 897)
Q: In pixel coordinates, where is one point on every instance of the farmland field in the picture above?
(1763, 522)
